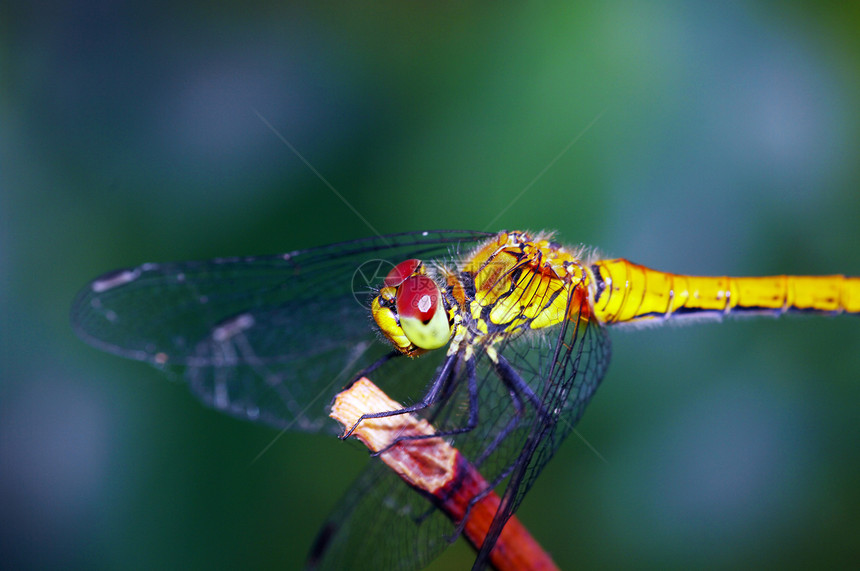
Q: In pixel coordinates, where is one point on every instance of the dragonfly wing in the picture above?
(381, 523)
(267, 338)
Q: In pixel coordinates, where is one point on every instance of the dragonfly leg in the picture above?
(515, 382)
(430, 397)
(471, 422)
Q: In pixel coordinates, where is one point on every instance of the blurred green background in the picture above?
(724, 138)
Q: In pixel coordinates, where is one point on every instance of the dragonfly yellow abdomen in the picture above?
(628, 292)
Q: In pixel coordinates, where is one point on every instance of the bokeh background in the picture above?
(695, 137)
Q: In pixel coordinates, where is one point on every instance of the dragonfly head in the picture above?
(410, 310)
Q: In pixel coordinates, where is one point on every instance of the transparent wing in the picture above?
(267, 338)
(381, 523)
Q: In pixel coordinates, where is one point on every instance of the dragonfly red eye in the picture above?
(417, 298)
(401, 271)
(420, 311)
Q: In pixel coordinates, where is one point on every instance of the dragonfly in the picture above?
(499, 340)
